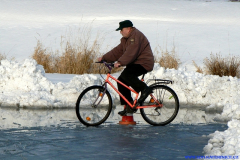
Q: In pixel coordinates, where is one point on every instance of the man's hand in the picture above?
(117, 64)
(99, 59)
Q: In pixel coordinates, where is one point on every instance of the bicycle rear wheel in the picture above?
(94, 106)
(160, 116)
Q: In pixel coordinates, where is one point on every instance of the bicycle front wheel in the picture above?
(160, 116)
(94, 106)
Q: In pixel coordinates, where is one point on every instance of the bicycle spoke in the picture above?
(93, 106)
(167, 112)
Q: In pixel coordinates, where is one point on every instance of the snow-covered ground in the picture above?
(196, 28)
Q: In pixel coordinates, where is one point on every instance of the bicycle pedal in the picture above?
(134, 110)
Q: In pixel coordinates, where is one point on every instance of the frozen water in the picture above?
(75, 141)
(57, 134)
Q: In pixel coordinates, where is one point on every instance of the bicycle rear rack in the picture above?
(159, 81)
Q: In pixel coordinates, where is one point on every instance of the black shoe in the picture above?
(126, 110)
(130, 110)
(123, 113)
(144, 94)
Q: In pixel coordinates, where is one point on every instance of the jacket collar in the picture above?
(133, 29)
(131, 33)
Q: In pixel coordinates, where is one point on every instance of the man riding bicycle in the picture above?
(134, 52)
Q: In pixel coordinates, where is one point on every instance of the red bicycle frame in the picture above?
(135, 100)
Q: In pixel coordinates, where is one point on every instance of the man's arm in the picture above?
(114, 54)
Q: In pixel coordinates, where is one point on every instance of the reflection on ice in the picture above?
(15, 117)
(12, 117)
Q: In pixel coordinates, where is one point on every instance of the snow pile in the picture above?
(196, 88)
(68, 93)
(24, 84)
(225, 143)
(230, 111)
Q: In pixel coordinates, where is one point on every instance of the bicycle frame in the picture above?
(107, 81)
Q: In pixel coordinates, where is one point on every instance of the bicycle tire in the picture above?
(90, 109)
(160, 116)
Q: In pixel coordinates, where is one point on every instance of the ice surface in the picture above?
(74, 141)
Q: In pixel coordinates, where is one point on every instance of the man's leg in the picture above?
(130, 77)
(124, 91)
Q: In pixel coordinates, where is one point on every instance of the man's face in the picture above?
(126, 32)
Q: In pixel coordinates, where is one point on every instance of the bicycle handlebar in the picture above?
(111, 65)
(108, 65)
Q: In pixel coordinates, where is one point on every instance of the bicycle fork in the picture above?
(100, 95)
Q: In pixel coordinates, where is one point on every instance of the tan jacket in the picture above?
(132, 50)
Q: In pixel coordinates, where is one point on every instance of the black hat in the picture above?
(124, 24)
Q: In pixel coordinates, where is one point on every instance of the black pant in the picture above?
(129, 76)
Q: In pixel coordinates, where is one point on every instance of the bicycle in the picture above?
(94, 104)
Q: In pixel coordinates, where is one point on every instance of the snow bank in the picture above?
(25, 85)
(225, 143)
(196, 88)
(228, 142)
